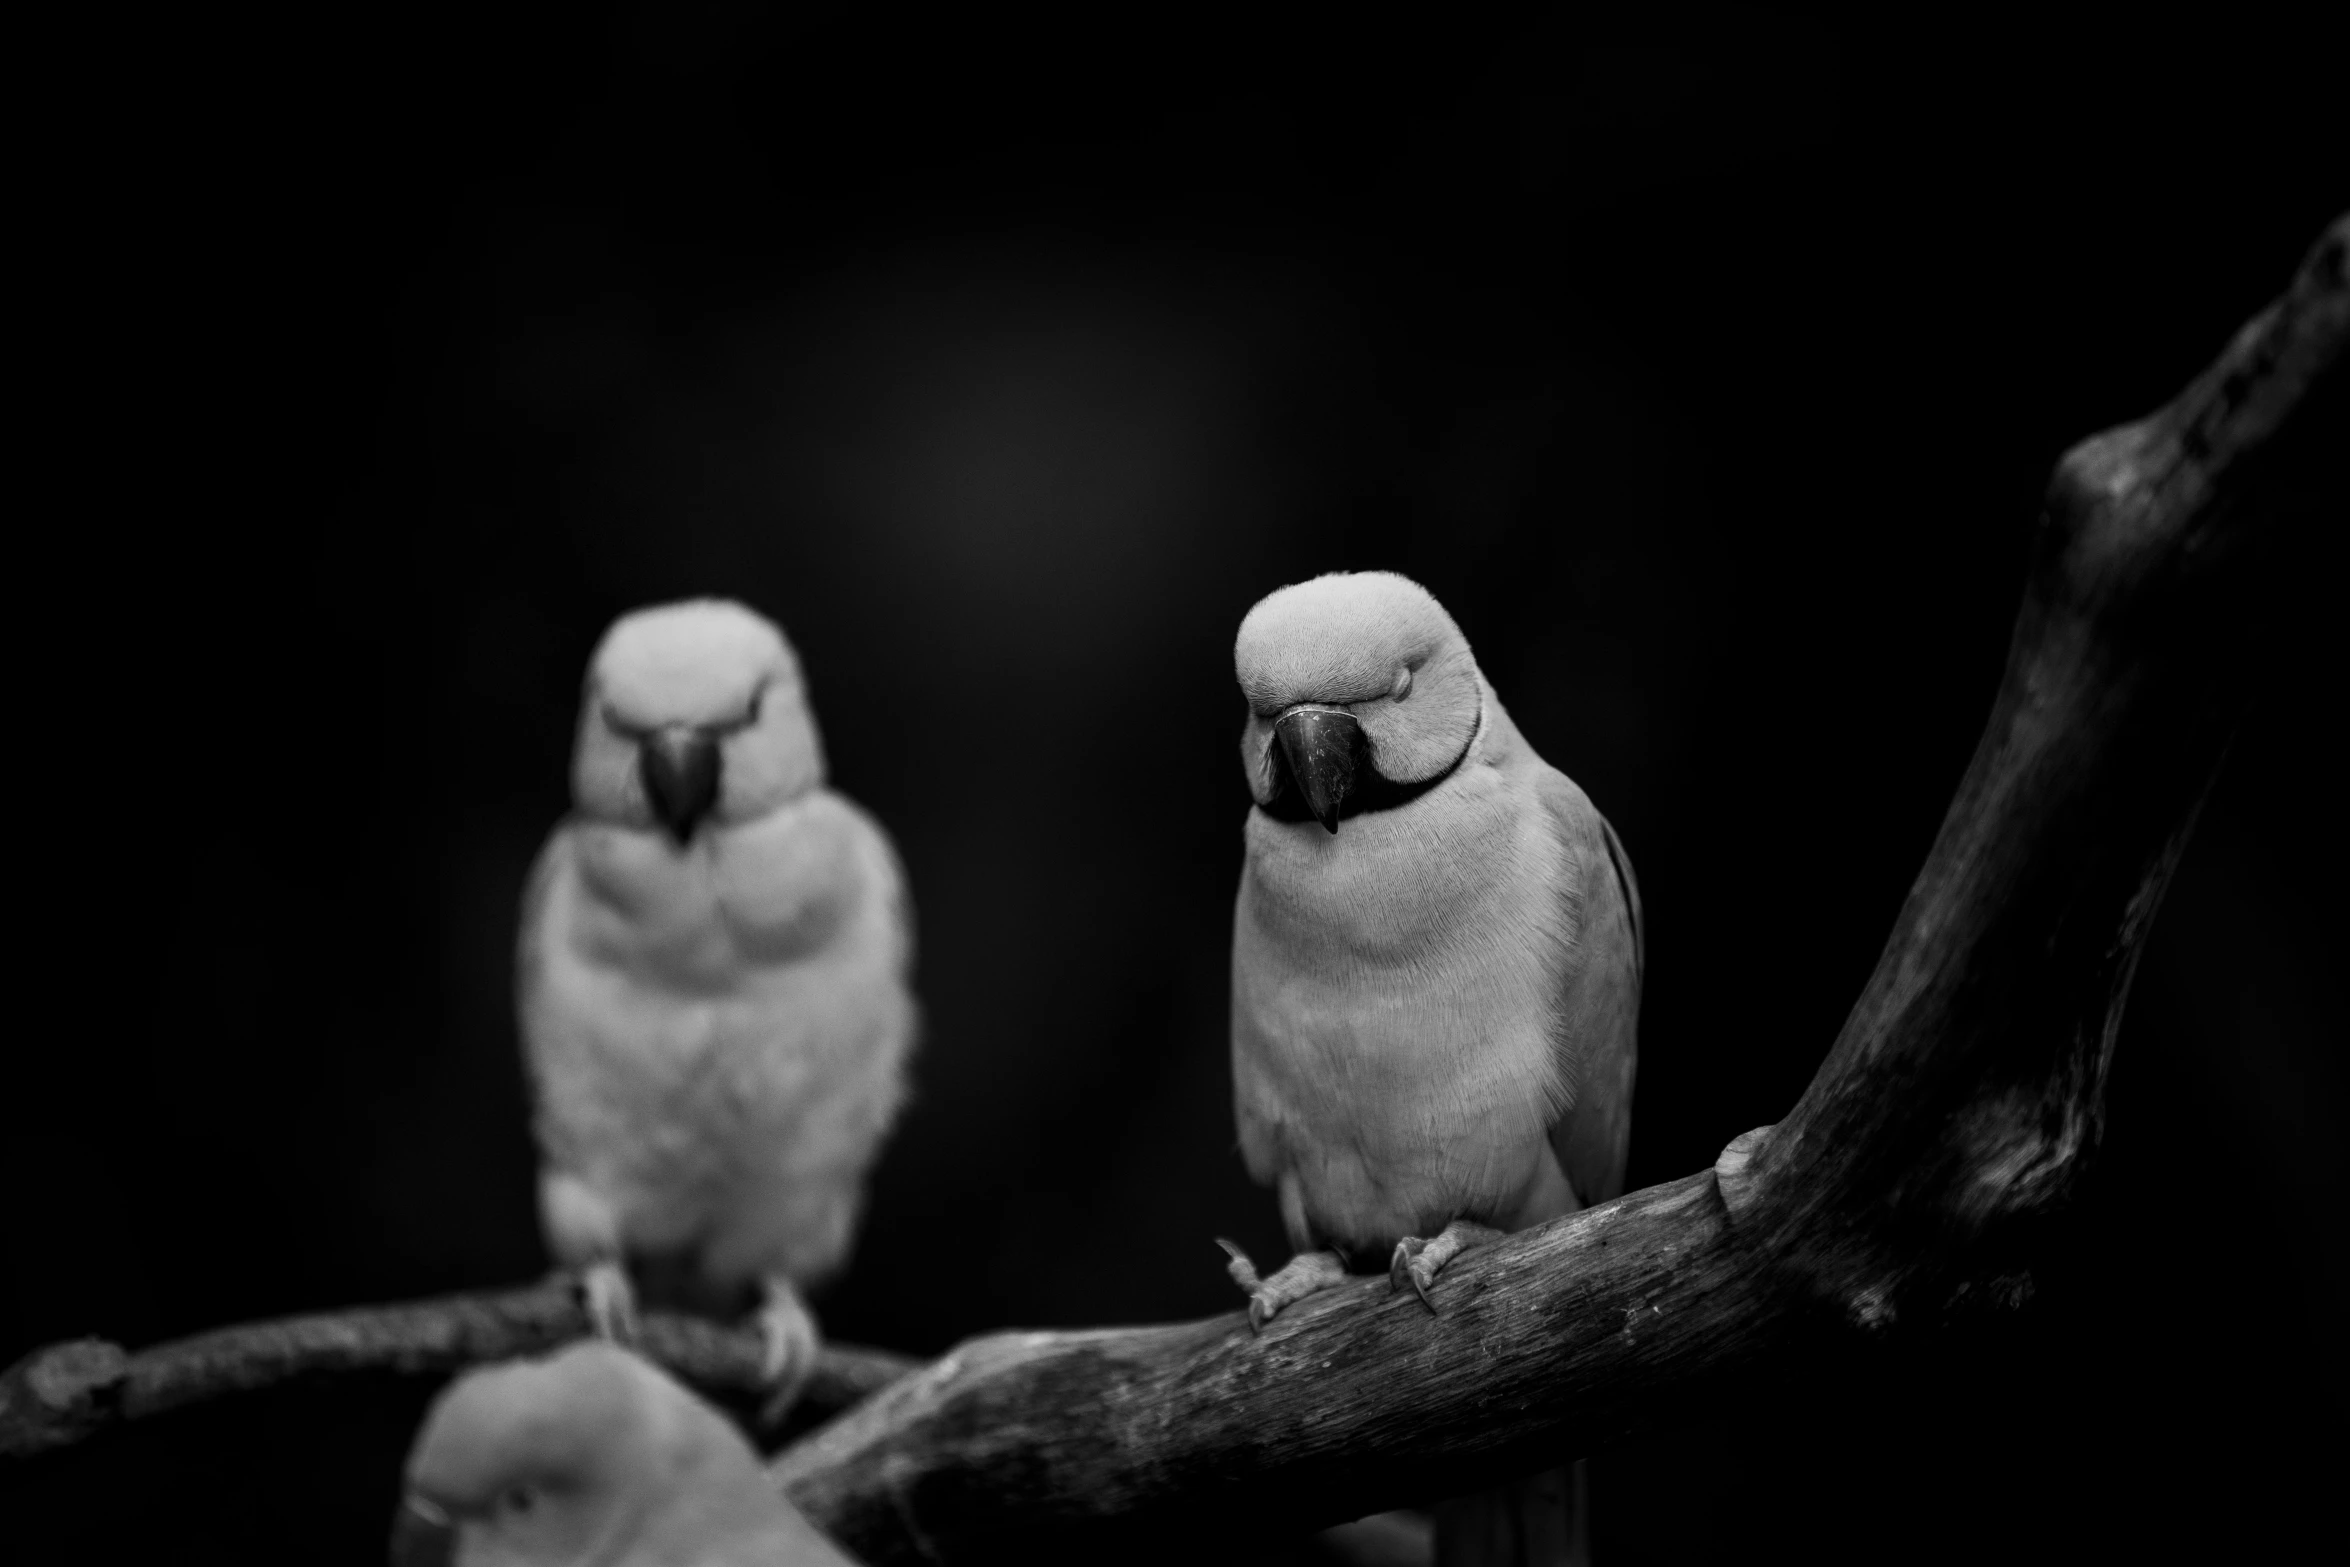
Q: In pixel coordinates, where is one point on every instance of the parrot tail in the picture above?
(1543, 1520)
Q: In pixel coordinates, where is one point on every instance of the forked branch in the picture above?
(1953, 1114)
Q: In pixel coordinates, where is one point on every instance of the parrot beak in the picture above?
(422, 1535)
(679, 765)
(1320, 743)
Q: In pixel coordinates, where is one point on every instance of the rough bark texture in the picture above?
(66, 1392)
(1952, 1116)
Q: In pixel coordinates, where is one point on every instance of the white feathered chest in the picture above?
(712, 1024)
(1395, 1006)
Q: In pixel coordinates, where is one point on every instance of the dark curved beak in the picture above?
(422, 1535)
(1321, 744)
(679, 765)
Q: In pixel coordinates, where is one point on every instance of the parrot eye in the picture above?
(519, 1499)
(1403, 684)
(749, 718)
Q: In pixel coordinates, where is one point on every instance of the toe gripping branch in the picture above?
(610, 1302)
(1244, 1274)
(1243, 1271)
(1406, 1267)
(1307, 1273)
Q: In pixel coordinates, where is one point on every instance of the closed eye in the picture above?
(746, 719)
(632, 733)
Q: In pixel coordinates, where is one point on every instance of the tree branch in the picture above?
(66, 1392)
(1951, 1118)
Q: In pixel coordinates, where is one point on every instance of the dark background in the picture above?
(1708, 371)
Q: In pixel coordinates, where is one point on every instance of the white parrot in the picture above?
(1436, 969)
(591, 1455)
(712, 986)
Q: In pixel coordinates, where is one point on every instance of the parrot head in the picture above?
(693, 712)
(1362, 695)
(590, 1454)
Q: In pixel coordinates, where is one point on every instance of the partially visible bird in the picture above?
(1436, 968)
(591, 1455)
(712, 986)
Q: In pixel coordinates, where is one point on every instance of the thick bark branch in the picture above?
(1952, 1115)
(61, 1394)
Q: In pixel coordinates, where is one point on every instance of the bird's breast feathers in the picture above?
(1394, 1004)
(742, 1000)
(732, 902)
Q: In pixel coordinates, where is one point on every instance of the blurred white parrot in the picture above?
(1436, 968)
(591, 1455)
(712, 986)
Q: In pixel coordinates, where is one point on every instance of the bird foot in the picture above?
(1303, 1275)
(788, 1343)
(610, 1301)
(1417, 1262)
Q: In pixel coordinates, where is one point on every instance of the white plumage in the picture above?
(591, 1455)
(713, 982)
(1436, 961)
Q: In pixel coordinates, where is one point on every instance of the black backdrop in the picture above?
(1708, 372)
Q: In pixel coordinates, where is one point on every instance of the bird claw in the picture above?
(1303, 1275)
(1243, 1271)
(1261, 1305)
(1408, 1265)
(610, 1301)
(787, 1350)
(1420, 1260)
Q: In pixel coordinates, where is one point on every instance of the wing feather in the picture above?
(1599, 1011)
